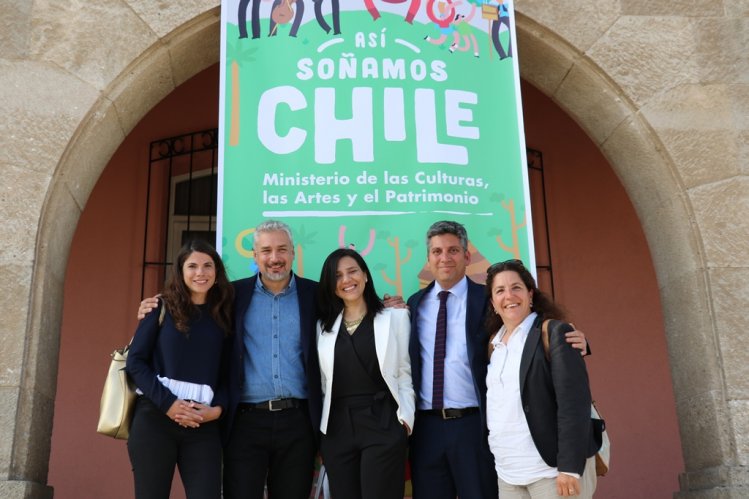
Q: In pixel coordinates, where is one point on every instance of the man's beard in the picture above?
(277, 276)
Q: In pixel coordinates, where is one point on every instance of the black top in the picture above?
(196, 357)
(357, 371)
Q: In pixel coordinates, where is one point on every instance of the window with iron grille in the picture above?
(180, 201)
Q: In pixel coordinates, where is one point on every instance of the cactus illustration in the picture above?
(395, 243)
(242, 54)
(302, 238)
(515, 226)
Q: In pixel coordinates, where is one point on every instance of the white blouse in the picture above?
(515, 455)
(184, 390)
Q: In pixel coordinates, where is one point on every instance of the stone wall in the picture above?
(661, 86)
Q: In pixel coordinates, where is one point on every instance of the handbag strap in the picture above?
(162, 313)
(545, 338)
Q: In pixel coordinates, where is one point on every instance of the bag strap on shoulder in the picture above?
(162, 313)
(545, 338)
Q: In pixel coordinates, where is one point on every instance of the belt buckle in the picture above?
(275, 409)
(445, 416)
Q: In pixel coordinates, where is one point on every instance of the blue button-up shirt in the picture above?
(273, 363)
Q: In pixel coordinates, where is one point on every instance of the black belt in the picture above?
(272, 405)
(451, 413)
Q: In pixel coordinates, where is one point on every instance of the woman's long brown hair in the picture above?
(220, 298)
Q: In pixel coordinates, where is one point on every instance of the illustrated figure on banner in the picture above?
(282, 13)
(334, 5)
(497, 12)
(254, 18)
(463, 35)
(412, 9)
(443, 20)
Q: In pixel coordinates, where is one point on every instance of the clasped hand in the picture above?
(190, 414)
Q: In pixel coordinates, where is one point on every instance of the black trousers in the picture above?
(364, 452)
(278, 446)
(451, 458)
(157, 444)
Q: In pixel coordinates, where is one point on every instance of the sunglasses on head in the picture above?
(499, 265)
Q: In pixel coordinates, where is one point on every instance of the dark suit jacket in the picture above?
(556, 399)
(306, 293)
(476, 340)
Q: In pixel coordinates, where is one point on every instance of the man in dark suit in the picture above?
(449, 452)
(274, 384)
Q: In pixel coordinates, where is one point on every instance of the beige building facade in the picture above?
(661, 87)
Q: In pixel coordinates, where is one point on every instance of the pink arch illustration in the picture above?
(342, 240)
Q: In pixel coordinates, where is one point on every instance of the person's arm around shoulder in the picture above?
(400, 323)
(577, 339)
(147, 305)
(393, 301)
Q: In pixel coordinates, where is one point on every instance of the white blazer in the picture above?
(392, 328)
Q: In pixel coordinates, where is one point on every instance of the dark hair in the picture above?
(220, 298)
(329, 304)
(543, 305)
(448, 227)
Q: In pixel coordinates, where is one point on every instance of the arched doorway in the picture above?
(630, 145)
(600, 261)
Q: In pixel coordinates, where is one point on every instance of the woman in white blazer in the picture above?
(368, 396)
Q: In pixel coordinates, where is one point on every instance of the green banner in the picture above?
(362, 125)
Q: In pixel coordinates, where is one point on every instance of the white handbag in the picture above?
(604, 453)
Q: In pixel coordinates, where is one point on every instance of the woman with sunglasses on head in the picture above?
(178, 362)
(538, 407)
(368, 396)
